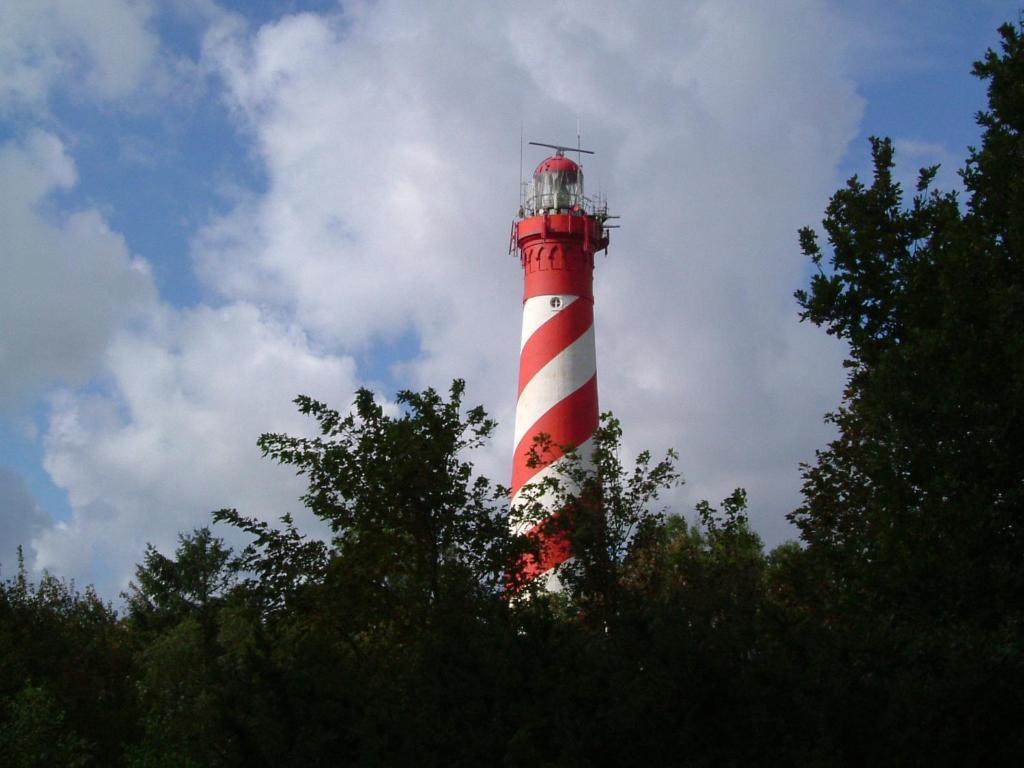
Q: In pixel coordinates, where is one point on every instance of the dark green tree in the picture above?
(175, 608)
(191, 584)
(34, 733)
(65, 675)
(914, 512)
(412, 525)
(380, 645)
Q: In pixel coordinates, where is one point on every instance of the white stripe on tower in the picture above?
(537, 311)
(566, 372)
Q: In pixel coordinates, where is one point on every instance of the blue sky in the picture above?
(212, 207)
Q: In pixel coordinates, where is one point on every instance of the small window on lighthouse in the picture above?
(556, 302)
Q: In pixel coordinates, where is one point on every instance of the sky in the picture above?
(208, 208)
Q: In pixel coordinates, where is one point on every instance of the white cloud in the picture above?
(176, 437)
(20, 520)
(101, 48)
(389, 139)
(69, 281)
(388, 136)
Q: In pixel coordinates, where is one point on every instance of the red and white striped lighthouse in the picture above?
(556, 235)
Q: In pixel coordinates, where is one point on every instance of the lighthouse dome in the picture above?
(556, 163)
(557, 184)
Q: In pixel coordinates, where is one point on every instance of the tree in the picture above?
(35, 734)
(193, 583)
(914, 511)
(65, 674)
(383, 643)
(412, 524)
(175, 609)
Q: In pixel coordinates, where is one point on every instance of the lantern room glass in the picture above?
(558, 190)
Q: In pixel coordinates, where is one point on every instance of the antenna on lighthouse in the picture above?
(522, 187)
(578, 159)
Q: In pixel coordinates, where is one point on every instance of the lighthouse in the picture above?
(556, 235)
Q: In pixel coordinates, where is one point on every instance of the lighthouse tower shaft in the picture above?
(556, 237)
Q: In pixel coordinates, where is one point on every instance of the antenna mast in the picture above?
(522, 190)
(579, 160)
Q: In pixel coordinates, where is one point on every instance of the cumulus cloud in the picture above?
(69, 281)
(21, 519)
(176, 436)
(388, 133)
(102, 47)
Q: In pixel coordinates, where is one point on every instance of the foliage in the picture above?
(192, 584)
(913, 513)
(410, 521)
(278, 562)
(175, 608)
(35, 733)
(64, 674)
(605, 512)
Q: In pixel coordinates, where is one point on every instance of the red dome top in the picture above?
(556, 163)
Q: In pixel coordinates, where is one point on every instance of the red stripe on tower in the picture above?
(556, 236)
